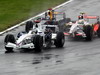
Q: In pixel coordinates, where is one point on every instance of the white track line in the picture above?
(9, 29)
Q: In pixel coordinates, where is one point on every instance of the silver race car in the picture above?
(83, 28)
(38, 34)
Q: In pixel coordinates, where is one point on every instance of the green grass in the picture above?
(15, 11)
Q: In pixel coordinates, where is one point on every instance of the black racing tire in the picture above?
(98, 31)
(38, 43)
(68, 20)
(9, 38)
(62, 23)
(29, 26)
(9, 50)
(60, 40)
(89, 32)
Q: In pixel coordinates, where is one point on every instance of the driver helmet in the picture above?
(80, 17)
(20, 34)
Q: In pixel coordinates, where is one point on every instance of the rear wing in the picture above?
(85, 16)
(91, 17)
(59, 13)
(51, 14)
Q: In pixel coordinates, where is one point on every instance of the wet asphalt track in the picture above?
(76, 58)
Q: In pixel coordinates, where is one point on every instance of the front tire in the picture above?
(29, 26)
(9, 38)
(60, 40)
(38, 43)
(89, 32)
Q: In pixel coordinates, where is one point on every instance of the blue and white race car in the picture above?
(36, 36)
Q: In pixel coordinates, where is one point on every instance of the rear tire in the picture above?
(89, 32)
(60, 40)
(68, 20)
(38, 43)
(9, 38)
(29, 26)
(98, 31)
(62, 23)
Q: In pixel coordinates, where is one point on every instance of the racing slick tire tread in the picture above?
(38, 43)
(89, 32)
(9, 38)
(68, 20)
(29, 26)
(98, 31)
(60, 40)
(62, 23)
